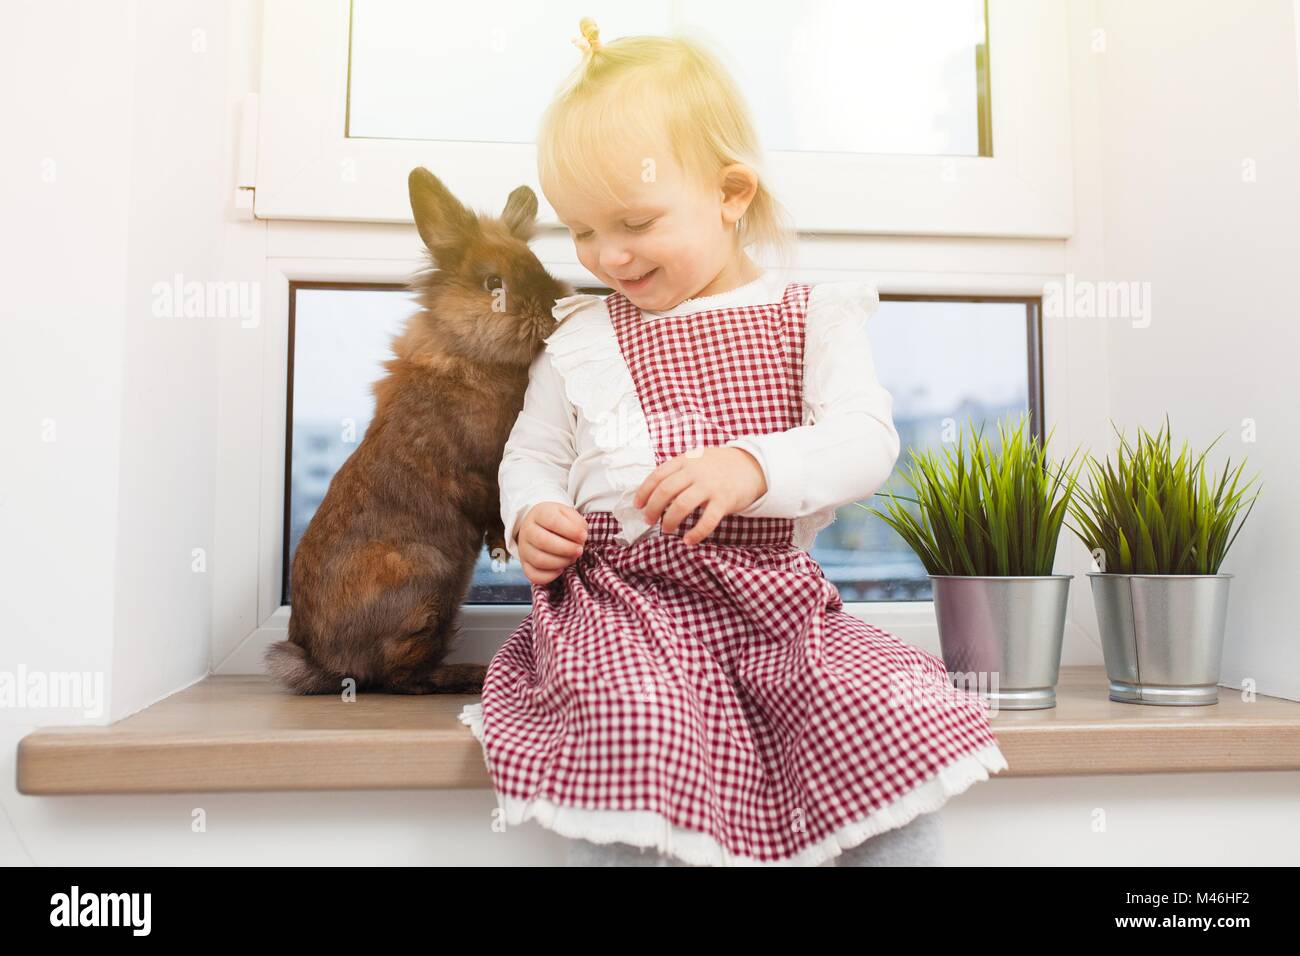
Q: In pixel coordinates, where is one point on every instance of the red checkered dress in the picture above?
(716, 702)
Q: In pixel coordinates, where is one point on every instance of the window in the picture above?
(339, 336)
(941, 358)
(935, 117)
(857, 77)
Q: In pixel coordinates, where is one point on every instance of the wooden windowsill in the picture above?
(244, 733)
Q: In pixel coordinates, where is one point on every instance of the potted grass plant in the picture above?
(1158, 531)
(985, 524)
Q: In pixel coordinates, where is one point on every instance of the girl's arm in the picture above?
(849, 450)
(540, 451)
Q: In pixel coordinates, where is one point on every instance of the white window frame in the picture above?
(307, 169)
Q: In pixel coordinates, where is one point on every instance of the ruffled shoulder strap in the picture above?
(831, 306)
(839, 300)
(584, 349)
(572, 303)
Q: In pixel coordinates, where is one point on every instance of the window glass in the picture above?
(941, 360)
(834, 76)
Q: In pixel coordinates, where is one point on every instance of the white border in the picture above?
(308, 169)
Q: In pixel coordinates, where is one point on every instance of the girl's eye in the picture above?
(492, 283)
(637, 227)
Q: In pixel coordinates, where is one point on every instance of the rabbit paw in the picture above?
(495, 538)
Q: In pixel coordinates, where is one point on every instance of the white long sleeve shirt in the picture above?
(582, 438)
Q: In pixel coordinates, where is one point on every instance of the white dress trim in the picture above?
(645, 828)
(599, 385)
(743, 296)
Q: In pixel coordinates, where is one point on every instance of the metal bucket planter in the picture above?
(1007, 632)
(1162, 635)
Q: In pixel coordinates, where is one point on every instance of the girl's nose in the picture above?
(614, 258)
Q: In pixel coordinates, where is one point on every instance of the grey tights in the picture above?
(918, 843)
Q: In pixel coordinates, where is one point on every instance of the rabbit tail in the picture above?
(289, 664)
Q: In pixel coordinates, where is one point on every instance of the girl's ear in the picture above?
(739, 185)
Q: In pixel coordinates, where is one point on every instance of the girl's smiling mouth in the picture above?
(641, 283)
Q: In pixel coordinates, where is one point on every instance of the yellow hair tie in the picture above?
(589, 42)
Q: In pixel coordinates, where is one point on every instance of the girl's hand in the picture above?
(724, 479)
(551, 538)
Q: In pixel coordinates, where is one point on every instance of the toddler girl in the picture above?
(688, 689)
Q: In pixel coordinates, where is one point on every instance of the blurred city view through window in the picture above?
(941, 360)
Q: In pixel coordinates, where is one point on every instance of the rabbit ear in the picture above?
(443, 221)
(520, 215)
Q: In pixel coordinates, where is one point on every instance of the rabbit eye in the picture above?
(493, 282)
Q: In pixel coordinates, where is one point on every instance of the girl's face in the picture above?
(674, 240)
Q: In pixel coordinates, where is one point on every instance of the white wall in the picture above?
(1175, 101)
(118, 173)
(65, 174)
(179, 197)
(1206, 819)
(98, 526)
(126, 110)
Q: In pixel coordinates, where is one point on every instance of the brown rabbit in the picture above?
(382, 568)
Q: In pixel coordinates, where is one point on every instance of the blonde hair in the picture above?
(660, 92)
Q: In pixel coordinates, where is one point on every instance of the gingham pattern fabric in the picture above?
(709, 377)
(721, 687)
